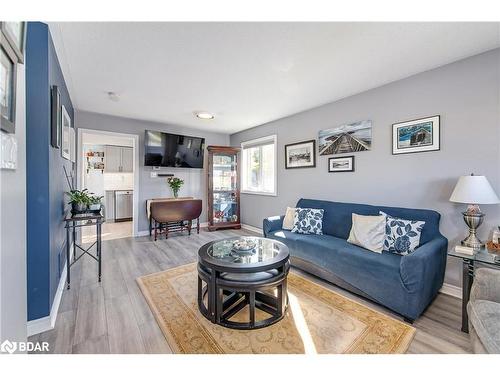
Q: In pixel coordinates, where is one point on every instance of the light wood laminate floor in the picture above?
(113, 317)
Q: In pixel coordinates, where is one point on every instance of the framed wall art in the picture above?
(300, 155)
(15, 34)
(341, 164)
(347, 138)
(65, 134)
(8, 71)
(419, 135)
(55, 118)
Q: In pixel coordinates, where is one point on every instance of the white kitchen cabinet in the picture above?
(118, 159)
(127, 159)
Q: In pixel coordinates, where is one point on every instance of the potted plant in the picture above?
(95, 202)
(79, 199)
(175, 184)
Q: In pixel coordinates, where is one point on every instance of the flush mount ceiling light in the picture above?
(204, 115)
(113, 96)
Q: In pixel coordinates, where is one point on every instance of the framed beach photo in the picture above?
(341, 164)
(347, 138)
(65, 136)
(416, 136)
(300, 155)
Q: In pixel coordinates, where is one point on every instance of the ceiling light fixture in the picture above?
(204, 115)
(113, 96)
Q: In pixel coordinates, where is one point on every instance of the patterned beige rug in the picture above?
(317, 321)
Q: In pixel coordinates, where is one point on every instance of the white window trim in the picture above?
(274, 139)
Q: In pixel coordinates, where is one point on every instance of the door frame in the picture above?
(80, 169)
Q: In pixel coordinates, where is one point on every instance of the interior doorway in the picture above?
(108, 166)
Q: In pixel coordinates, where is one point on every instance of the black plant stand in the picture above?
(78, 221)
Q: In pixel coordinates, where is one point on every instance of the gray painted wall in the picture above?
(464, 93)
(13, 310)
(194, 179)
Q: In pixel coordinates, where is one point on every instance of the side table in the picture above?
(78, 221)
(469, 263)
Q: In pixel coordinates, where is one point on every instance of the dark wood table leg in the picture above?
(68, 264)
(198, 225)
(212, 296)
(99, 250)
(150, 225)
(467, 279)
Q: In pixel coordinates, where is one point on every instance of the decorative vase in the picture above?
(95, 207)
(176, 193)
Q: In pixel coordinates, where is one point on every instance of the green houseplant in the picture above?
(175, 184)
(79, 199)
(95, 202)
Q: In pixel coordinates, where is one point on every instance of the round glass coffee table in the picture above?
(243, 273)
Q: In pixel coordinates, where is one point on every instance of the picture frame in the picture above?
(72, 143)
(341, 164)
(346, 138)
(65, 134)
(8, 87)
(420, 135)
(300, 155)
(15, 34)
(55, 117)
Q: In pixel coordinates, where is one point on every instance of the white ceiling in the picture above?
(248, 73)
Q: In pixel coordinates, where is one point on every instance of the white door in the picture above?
(112, 159)
(127, 159)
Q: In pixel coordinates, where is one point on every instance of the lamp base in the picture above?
(473, 221)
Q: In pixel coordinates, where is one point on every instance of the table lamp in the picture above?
(473, 190)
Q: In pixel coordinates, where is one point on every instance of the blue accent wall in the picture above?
(46, 183)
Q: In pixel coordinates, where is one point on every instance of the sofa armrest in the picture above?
(486, 285)
(424, 268)
(272, 223)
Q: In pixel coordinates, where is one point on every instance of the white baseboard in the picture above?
(143, 233)
(451, 290)
(251, 228)
(47, 323)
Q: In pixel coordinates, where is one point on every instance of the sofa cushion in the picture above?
(337, 216)
(345, 260)
(289, 218)
(368, 232)
(401, 236)
(308, 221)
(485, 317)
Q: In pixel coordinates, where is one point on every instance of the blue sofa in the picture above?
(405, 284)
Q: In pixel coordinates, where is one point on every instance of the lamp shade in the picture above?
(474, 190)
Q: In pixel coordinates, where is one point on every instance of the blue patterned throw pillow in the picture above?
(401, 236)
(308, 221)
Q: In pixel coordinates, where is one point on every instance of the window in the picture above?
(258, 172)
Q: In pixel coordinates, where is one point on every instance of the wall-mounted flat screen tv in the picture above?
(172, 150)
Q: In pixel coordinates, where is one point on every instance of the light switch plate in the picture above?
(154, 174)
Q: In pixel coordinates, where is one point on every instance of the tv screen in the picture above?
(172, 150)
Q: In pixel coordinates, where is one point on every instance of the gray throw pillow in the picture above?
(308, 221)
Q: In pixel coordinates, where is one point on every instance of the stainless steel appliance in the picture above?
(123, 205)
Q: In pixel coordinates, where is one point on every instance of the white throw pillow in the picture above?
(368, 232)
(289, 217)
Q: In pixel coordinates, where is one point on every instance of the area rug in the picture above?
(318, 320)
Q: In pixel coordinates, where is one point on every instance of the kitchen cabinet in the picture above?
(118, 159)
